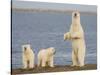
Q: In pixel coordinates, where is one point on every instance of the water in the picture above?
(43, 30)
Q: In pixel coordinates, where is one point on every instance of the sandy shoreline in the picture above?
(55, 69)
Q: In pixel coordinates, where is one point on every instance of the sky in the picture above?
(57, 6)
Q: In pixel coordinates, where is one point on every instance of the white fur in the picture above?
(76, 35)
(45, 57)
(28, 57)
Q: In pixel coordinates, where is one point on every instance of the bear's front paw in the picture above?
(66, 36)
(52, 66)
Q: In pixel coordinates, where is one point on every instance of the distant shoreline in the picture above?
(57, 68)
(48, 10)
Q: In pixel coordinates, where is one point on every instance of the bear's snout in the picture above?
(75, 14)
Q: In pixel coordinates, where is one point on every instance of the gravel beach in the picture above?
(54, 69)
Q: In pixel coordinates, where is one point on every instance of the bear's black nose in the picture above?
(75, 14)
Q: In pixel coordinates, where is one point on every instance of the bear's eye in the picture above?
(25, 48)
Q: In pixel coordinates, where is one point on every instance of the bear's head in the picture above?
(26, 47)
(51, 50)
(75, 17)
(76, 14)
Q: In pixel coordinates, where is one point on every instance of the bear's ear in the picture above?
(25, 48)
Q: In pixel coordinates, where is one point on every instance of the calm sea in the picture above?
(43, 30)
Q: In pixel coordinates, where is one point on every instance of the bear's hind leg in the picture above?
(31, 63)
(81, 56)
(43, 63)
(74, 59)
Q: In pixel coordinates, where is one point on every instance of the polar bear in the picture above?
(28, 56)
(76, 35)
(45, 57)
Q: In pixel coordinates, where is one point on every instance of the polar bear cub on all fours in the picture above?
(76, 35)
(45, 57)
(28, 56)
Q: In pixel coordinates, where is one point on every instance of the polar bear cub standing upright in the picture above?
(45, 57)
(28, 57)
(76, 35)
